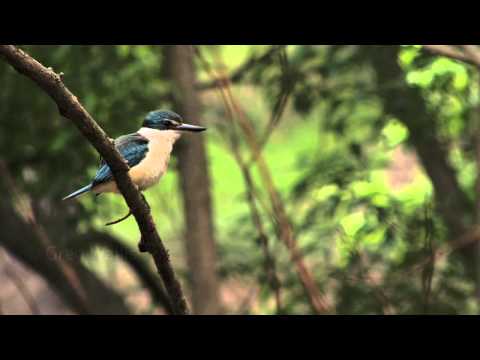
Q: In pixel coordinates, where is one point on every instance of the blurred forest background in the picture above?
(331, 180)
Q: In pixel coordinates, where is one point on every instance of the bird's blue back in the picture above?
(133, 148)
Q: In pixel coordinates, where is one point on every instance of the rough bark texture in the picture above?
(70, 108)
(195, 184)
(407, 105)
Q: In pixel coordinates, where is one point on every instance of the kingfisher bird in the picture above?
(146, 151)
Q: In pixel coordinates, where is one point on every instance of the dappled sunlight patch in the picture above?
(380, 200)
(351, 223)
(465, 167)
(375, 186)
(394, 133)
(409, 53)
(375, 190)
(363, 188)
(324, 192)
(360, 230)
(373, 239)
(415, 195)
(441, 66)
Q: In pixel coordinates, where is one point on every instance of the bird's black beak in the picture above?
(188, 127)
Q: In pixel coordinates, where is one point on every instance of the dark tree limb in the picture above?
(69, 107)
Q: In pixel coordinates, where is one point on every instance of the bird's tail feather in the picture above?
(78, 192)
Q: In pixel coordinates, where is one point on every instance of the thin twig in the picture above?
(428, 270)
(280, 106)
(269, 263)
(70, 108)
(284, 229)
(119, 220)
(240, 73)
(470, 237)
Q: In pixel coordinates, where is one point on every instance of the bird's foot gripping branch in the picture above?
(119, 220)
(70, 108)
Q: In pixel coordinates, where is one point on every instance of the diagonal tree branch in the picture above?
(470, 55)
(473, 53)
(269, 260)
(69, 107)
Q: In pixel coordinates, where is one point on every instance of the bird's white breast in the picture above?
(149, 171)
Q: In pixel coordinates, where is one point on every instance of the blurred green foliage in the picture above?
(331, 157)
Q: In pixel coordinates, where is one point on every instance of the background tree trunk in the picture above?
(407, 105)
(195, 184)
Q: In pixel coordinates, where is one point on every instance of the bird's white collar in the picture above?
(163, 135)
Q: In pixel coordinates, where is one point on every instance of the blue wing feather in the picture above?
(133, 148)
